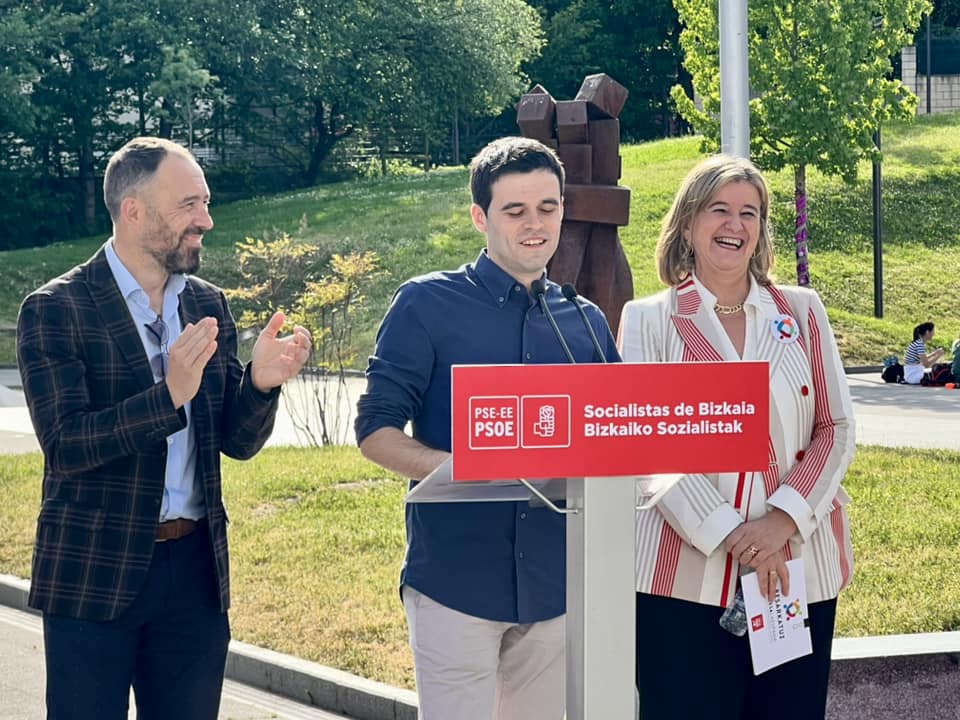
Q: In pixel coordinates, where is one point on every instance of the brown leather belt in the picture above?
(175, 529)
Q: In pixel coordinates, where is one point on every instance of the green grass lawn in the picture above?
(420, 223)
(317, 539)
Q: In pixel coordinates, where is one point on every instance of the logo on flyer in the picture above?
(756, 623)
(793, 609)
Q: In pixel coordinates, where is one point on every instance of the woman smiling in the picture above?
(715, 254)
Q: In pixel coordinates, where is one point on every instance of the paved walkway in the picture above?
(904, 415)
(22, 681)
(294, 420)
(889, 415)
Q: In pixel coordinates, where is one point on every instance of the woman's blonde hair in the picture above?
(674, 256)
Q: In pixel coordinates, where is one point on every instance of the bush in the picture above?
(395, 167)
(46, 208)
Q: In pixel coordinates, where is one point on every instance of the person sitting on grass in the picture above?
(917, 360)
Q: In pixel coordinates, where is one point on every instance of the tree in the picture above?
(182, 83)
(283, 78)
(636, 42)
(466, 60)
(17, 40)
(320, 69)
(84, 69)
(820, 80)
(946, 13)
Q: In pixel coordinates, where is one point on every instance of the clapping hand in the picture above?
(276, 360)
(188, 357)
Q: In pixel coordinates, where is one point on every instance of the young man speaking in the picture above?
(483, 583)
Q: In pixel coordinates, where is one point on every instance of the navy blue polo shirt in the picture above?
(501, 561)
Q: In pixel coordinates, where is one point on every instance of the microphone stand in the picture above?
(570, 293)
(539, 288)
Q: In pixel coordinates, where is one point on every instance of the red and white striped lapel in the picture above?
(688, 304)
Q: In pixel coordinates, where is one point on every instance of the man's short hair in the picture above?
(509, 155)
(132, 166)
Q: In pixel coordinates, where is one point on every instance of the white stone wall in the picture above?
(944, 89)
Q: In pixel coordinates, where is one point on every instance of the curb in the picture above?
(921, 671)
(862, 369)
(301, 680)
(318, 685)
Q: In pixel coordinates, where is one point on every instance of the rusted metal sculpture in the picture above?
(585, 132)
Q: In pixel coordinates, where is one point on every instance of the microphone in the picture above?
(539, 288)
(570, 293)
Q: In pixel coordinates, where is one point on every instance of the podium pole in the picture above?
(601, 615)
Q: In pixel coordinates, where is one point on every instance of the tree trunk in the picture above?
(141, 112)
(326, 138)
(88, 188)
(166, 126)
(456, 136)
(800, 235)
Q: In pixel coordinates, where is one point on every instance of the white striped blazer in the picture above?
(679, 544)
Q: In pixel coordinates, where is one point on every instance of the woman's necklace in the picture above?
(727, 309)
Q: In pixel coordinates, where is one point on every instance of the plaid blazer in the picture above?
(103, 423)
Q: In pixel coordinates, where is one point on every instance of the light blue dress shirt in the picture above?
(181, 496)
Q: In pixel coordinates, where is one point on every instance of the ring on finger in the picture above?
(753, 550)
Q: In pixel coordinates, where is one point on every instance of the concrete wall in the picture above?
(944, 89)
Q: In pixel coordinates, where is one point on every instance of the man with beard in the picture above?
(130, 371)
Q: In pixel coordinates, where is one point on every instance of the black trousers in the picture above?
(690, 668)
(170, 645)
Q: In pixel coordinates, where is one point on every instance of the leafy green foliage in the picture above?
(275, 84)
(818, 77)
(320, 292)
(946, 13)
(636, 43)
(820, 81)
(419, 223)
(274, 273)
(181, 85)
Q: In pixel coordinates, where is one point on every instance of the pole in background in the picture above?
(734, 79)
(877, 232)
(929, 68)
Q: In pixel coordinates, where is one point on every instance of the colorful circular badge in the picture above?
(785, 329)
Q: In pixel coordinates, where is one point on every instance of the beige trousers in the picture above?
(468, 668)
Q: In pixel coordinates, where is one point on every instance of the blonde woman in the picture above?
(715, 254)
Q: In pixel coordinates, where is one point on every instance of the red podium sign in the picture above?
(544, 421)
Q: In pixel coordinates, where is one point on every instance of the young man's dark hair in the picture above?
(509, 155)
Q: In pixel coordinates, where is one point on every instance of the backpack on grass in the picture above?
(940, 374)
(892, 370)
